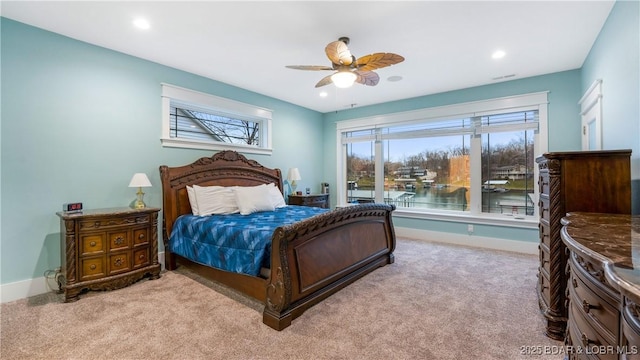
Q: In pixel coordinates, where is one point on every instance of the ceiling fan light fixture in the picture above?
(343, 79)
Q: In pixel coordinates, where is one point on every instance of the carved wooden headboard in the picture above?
(226, 168)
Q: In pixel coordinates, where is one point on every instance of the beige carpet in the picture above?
(435, 302)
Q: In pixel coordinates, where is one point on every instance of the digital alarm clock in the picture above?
(72, 207)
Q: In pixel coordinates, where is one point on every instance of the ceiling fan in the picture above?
(347, 68)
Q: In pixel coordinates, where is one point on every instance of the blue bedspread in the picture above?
(237, 243)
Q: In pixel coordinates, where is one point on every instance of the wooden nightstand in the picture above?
(106, 249)
(319, 200)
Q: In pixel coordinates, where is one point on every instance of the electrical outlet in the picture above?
(470, 229)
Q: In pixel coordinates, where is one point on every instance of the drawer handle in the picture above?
(118, 262)
(93, 243)
(141, 256)
(141, 236)
(586, 306)
(96, 224)
(119, 240)
(574, 282)
(92, 267)
(586, 341)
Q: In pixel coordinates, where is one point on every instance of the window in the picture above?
(472, 159)
(197, 120)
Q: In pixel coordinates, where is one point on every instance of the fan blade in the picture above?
(338, 53)
(309, 67)
(325, 81)
(368, 78)
(377, 61)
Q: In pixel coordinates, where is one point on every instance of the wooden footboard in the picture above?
(315, 258)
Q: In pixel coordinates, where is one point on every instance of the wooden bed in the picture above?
(310, 259)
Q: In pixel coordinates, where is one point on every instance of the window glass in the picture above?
(205, 126)
(361, 172)
(428, 172)
(507, 173)
(473, 158)
(196, 120)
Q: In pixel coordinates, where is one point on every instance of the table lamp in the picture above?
(293, 177)
(139, 180)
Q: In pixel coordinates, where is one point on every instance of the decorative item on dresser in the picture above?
(139, 180)
(318, 200)
(106, 249)
(293, 177)
(604, 285)
(592, 181)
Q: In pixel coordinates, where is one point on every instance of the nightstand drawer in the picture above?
(105, 223)
(321, 200)
(92, 268)
(92, 244)
(140, 237)
(118, 240)
(119, 262)
(140, 257)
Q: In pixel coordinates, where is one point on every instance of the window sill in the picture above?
(504, 220)
(190, 144)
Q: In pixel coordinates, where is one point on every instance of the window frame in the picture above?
(200, 101)
(525, 102)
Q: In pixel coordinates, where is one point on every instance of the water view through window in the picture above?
(429, 165)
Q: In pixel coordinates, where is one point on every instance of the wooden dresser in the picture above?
(591, 181)
(604, 285)
(107, 249)
(319, 200)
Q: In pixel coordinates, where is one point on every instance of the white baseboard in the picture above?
(525, 247)
(32, 287)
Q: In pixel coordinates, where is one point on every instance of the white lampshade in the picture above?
(140, 180)
(294, 175)
(343, 79)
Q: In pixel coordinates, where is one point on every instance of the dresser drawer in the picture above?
(543, 182)
(92, 244)
(545, 236)
(141, 257)
(601, 315)
(544, 288)
(592, 274)
(583, 335)
(544, 259)
(544, 208)
(140, 237)
(110, 222)
(119, 240)
(92, 268)
(119, 262)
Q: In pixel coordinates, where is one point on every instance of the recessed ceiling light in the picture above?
(498, 54)
(394, 78)
(141, 23)
(323, 94)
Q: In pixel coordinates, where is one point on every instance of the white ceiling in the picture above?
(447, 44)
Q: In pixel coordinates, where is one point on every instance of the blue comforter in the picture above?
(237, 243)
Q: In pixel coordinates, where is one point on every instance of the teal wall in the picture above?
(615, 58)
(79, 120)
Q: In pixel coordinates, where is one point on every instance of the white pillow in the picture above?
(192, 200)
(276, 196)
(252, 199)
(215, 200)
